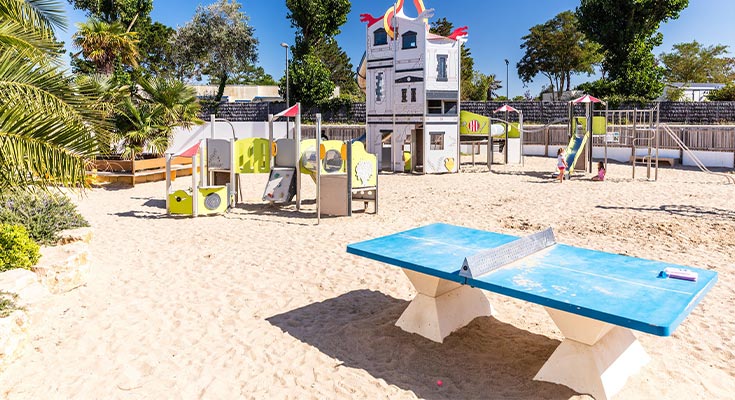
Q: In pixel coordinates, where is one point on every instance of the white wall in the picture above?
(711, 159)
(534, 150)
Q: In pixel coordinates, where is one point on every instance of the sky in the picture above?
(495, 29)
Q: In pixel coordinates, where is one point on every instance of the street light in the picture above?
(285, 46)
(288, 104)
(507, 98)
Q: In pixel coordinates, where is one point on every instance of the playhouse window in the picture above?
(434, 106)
(436, 141)
(450, 107)
(404, 95)
(379, 86)
(380, 37)
(413, 95)
(409, 40)
(441, 67)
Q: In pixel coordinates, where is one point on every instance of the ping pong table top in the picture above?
(613, 288)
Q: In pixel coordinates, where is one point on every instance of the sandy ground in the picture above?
(261, 303)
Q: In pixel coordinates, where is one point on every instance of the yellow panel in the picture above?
(514, 131)
(599, 125)
(251, 156)
(179, 202)
(473, 124)
(365, 167)
(308, 155)
(220, 191)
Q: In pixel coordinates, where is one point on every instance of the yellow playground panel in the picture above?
(252, 156)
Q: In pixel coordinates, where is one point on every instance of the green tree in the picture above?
(557, 49)
(309, 79)
(124, 11)
(251, 75)
(48, 124)
(154, 37)
(104, 44)
(217, 42)
(338, 62)
(156, 52)
(693, 62)
(727, 93)
(317, 22)
(627, 30)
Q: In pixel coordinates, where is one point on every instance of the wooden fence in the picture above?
(696, 137)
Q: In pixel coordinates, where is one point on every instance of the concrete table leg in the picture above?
(595, 357)
(441, 307)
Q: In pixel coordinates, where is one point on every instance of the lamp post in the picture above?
(507, 98)
(285, 46)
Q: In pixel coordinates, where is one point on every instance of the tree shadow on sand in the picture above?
(487, 357)
(681, 210)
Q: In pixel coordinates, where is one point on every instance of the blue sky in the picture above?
(495, 28)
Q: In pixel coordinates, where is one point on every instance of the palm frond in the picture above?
(15, 36)
(35, 15)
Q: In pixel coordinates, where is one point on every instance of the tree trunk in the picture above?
(221, 88)
(569, 81)
(553, 89)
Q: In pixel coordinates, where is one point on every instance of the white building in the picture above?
(692, 91)
(412, 96)
(241, 93)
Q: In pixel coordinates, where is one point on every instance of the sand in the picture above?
(261, 303)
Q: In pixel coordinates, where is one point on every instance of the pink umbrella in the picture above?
(289, 112)
(506, 108)
(586, 99)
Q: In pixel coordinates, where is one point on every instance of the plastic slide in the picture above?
(574, 151)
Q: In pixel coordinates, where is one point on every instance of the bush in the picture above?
(17, 249)
(7, 303)
(727, 93)
(43, 214)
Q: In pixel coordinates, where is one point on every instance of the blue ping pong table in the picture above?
(595, 298)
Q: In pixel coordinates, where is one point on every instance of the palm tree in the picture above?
(144, 123)
(47, 124)
(493, 86)
(178, 100)
(106, 43)
(142, 128)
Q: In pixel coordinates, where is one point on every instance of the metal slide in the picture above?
(730, 178)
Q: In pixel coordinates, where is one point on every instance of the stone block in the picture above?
(14, 336)
(63, 268)
(75, 235)
(25, 284)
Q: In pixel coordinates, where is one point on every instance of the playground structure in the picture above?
(411, 78)
(581, 129)
(347, 172)
(643, 131)
(477, 129)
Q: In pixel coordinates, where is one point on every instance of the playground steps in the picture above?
(644, 159)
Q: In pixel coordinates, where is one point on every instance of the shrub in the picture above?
(17, 249)
(43, 214)
(727, 93)
(7, 303)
